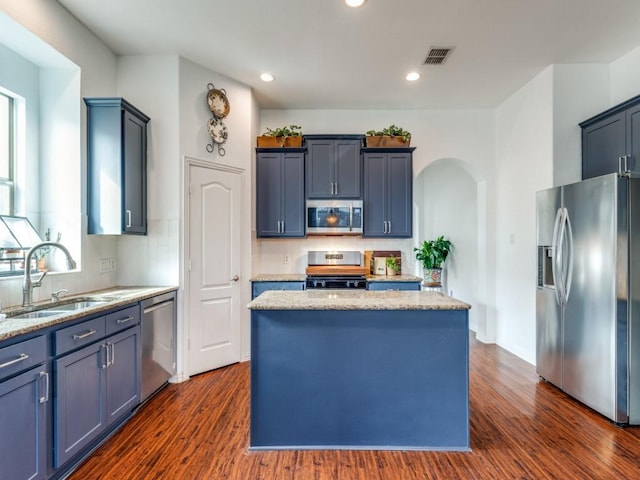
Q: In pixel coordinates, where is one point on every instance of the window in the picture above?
(7, 159)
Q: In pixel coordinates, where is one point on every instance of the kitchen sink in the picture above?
(80, 305)
(38, 314)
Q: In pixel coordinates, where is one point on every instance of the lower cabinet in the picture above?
(23, 425)
(258, 287)
(393, 285)
(96, 385)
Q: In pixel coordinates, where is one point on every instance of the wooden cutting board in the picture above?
(335, 270)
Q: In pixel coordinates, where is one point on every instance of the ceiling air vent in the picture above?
(437, 55)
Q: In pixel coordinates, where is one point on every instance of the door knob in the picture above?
(235, 278)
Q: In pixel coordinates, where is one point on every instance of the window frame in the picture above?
(10, 180)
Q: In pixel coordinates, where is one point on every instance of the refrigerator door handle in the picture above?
(555, 270)
(569, 274)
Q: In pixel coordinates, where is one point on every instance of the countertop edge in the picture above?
(10, 328)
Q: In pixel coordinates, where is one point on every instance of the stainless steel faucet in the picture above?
(28, 285)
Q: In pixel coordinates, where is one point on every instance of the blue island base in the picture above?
(384, 380)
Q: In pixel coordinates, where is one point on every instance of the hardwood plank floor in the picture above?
(521, 428)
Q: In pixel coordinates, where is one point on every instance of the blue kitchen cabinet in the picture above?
(611, 140)
(280, 192)
(116, 167)
(393, 285)
(333, 166)
(258, 287)
(24, 421)
(96, 385)
(388, 192)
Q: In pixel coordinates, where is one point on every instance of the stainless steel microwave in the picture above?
(334, 217)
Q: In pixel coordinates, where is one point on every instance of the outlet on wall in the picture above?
(112, 264)
(285, 259)
(104, 265)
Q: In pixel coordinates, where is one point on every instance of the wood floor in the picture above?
(521, 428)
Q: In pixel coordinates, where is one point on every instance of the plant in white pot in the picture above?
(432, 254)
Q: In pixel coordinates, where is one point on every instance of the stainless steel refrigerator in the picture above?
(587, 320)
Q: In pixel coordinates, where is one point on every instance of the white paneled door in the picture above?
(214, 256)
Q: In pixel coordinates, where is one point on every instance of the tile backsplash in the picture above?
(290, 255)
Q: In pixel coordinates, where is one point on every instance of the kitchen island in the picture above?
(344, 369)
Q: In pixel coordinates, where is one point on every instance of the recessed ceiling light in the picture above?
(267, 77)
(412, 76)
(355, 3)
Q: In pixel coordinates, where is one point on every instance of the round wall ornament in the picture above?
(219, 106)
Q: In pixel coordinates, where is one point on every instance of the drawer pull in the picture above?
(84, 335)
(124, 320)
(21, 358)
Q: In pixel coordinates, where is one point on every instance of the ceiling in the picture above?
(325, 55)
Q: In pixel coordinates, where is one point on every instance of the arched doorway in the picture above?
(449, 200)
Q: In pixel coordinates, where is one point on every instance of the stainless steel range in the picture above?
(335, 269)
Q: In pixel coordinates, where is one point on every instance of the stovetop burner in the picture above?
(326, 281)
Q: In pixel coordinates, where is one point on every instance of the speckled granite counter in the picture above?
(278, 277)
(114, 297)
(393, 278)
(355, 300)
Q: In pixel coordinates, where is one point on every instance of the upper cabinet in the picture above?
(333, 166)
(116, 167)
(388, 192)
(611, 141)
(280, 192)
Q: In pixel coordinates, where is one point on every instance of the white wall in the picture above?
(34, 29)
(524, 165)
(624, 77)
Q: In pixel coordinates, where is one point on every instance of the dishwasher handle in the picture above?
(156, 306)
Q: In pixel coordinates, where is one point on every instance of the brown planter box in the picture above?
(385, 141)
(266, 141)
(293, 141)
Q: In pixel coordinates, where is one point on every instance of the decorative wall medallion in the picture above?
(219, 105)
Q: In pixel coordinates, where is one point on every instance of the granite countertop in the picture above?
(355, 300)
(278, 277)
(114, 297)
(393, 278)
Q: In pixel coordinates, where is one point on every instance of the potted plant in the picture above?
(287, 136)
(393, 265)
(432, 254)
(392, 136)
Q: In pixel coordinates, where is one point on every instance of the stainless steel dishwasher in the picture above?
(158, 343)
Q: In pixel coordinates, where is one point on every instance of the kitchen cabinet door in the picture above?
(123, 373)
(259, 287)
(388, 193)
(280, 193)
(116, 167)
(333, 166)
(603, 143)
(80, 416)
(24, 425)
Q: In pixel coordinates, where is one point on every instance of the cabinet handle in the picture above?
(113, 353)
(385, 227)
(84, 335)
(283, 228)
(105, 362)
(45, 398)
(331, 188)
(626, 166)
(128, 218)
(620, 171)
(388, 226)
(22, 357)
(124, 320)
(336, 188)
